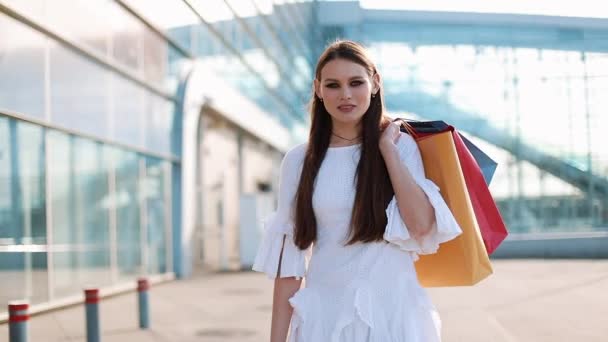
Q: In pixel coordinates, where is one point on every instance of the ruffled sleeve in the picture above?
(445, 227)
(277, 244)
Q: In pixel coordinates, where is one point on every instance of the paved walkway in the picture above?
(525, 300)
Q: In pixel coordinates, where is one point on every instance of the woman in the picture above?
(356, 198)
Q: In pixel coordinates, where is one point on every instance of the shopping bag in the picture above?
(463, 260)
(491, 224)
(485, 163)
(489, 220)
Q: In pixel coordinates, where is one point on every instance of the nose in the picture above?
(346, 93)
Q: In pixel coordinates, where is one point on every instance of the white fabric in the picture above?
(367, 292)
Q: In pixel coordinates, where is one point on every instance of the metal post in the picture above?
(142, 292)
(18, 317)
(92, 314)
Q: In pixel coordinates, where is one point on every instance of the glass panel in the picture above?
(79, 93)
(155, 58)
(80, 213)
(128, 111)
(22, 212)
(22, 68)
(159, 124)
(164, 14)
(88, 27)
(213, 10)
(127, 39)
(128, 215)
(156, 208)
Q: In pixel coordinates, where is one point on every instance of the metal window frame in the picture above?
(284, 18)
(272, 29)
(89, 53)
(219, 36)
(23, 117)
(249, 31)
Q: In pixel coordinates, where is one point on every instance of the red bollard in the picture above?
(17, 318)
(142, 294)
(91, 303)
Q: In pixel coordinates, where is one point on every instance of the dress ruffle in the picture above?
(364, 318)
(293, 262)
(445, 228)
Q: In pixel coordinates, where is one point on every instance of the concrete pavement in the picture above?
(525, 300)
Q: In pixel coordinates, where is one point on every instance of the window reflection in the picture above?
(155, 58)
(127, 40)
(22, 212)
(79, 92)
(79, 174)
(159, 124)
(128, 222)
(21, 68)
(128, 111)
(89, 26)
(156, 219)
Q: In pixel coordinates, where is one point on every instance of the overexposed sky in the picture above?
(568, 8)
(168, 13)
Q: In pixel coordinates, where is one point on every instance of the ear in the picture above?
(376, 81)
(317, 88)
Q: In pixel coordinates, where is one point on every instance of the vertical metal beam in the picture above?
(143, 222)
(591, 188)
(571, 205)
(518, 137)
(168, 216)
(112, 215)
(50, 256)
(16, 192)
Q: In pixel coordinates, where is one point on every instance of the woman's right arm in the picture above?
(284, 288)
(278, 256)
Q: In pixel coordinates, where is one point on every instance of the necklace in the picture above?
(350, 140)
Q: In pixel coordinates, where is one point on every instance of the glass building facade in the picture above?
(92, 116)
(91, 130)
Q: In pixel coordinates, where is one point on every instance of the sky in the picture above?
(578, 8)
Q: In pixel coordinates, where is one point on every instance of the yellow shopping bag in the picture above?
(464, 260)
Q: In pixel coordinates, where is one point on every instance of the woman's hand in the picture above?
(389, 137)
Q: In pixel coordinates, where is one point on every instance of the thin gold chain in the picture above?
(353, 139)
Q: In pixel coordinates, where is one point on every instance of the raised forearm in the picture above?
(284, 288)
(414, 206)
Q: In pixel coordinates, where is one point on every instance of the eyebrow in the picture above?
(350, 79)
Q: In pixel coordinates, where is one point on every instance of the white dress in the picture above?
(362, 292)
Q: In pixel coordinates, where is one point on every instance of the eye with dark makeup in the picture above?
(336, 85)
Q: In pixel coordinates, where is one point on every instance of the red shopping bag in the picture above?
(491, 225)
(489, 220)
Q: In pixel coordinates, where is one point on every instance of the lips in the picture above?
(346, 108)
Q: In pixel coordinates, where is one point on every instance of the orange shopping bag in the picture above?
(463, 260)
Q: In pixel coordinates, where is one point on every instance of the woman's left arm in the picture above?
(414, 206)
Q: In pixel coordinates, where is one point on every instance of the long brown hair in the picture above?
(373, 186)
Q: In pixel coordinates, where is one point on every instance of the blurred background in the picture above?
(144, 137)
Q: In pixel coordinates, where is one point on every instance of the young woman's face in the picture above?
(346, 90)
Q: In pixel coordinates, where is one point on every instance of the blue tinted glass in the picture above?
(128, 214)
(157, 209)
(80, 196)
(22, 212)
